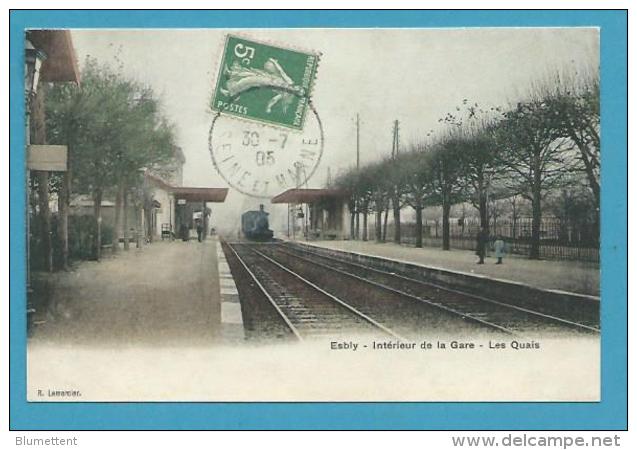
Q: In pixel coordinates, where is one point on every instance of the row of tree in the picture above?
(547, 142)
(115, 130)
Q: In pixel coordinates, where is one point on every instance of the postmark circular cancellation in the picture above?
(266, 136)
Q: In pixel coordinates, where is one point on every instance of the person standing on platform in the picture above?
(481, 247)
(183, 232)
(199, 230)
(499, 246)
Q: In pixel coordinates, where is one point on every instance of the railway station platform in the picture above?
(568, 276)
(167, 293)
(141, 326)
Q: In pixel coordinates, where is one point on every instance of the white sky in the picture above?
(413, 75)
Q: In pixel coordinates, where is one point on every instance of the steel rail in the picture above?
(333, 297)
(411, 296)
(455, 291)
(267, 295)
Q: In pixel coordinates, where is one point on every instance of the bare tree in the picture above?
(445, 183)
(348, 182)
(536, 156)
(575, 100)
(377, 188)
(360, 185)
(474, 128)
(394, 174)
(416, 168)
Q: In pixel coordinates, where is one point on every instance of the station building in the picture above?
(316, 214)
(161, 209)
(169, 209)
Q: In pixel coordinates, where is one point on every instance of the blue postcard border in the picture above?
(609, 414)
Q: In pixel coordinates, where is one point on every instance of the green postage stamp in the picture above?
(264, 83)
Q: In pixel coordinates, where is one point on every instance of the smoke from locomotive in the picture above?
(255, 225)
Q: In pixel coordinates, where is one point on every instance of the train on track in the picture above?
(255, 225)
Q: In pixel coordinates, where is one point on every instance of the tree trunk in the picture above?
(590, 165)
(125, 217)
(32, 209)
(535, 225)
(483, 209)
(117, 234)
(594, 186)
(152, 225)
(140, 225)
(97, 213)
(64, 200)
(396, 208)
(365, 225)
(358, 225)
(385, 223)
(446, 210)
(45, 220)
(419, 227)
(37, 132)
(379, 226)
(352, 224)
(148, 219)
(514, 218)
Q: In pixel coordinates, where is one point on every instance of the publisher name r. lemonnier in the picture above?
(23, 441)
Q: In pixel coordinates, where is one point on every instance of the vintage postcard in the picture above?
(313, 215)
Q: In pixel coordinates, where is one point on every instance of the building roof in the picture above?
(309, 195)
(84, 200)
(195, 194)
(191, 194)
(159, 181)
(61, 62)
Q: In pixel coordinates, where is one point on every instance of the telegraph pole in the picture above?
(358, 142)
(395, 197)
(294, 210)
(396, 142)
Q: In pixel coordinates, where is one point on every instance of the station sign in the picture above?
(50, 158)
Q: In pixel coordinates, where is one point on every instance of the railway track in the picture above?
(486, 312)
(306, 309)
(393, 311)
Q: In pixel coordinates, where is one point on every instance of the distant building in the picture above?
(161, 207)
(157, 206)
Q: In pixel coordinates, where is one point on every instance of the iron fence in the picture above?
(559, 239)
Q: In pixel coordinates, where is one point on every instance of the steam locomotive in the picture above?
(255, 225)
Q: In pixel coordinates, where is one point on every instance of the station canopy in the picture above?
(194, 194)
(309, 195)
(61, 62)
(190, 194)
